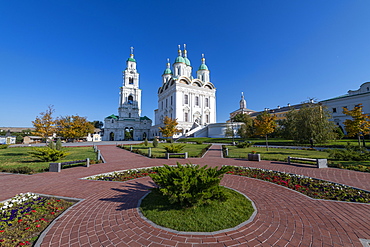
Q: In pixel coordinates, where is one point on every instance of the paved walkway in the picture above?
(108, 214)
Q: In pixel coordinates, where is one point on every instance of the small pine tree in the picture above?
(146, 142)
(51, 145)
(155, 142)
(58, 144)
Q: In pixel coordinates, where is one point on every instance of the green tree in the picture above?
(265, 124)
(128, 135)
(311, 121)
(45, 124)
(169, 128)
(359, 125)
(73, 127)
(246, 130)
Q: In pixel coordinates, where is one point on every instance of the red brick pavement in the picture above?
(108, 216)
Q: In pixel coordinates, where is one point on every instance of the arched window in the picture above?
(207, 102)
(130, 80)
(186, 99)
(130, 99)
(196, 100)
(129, 114)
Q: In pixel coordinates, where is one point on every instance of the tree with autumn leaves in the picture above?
(69, 127)
(169, 128)
(265, 124)
(45, 124)
(73, 127)
(359, 125)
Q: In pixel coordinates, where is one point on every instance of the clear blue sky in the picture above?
(71, 54)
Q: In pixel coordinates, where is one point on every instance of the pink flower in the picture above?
(38, 225)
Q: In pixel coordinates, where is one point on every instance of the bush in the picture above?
(199, 142)
(51, 145)
(58, 144)
(189, 185)
(173, 148)
(146, 142)
(244, 144)
(155, 142)
(22, 170)
(351, 152)
(47, 154)
(4, 146)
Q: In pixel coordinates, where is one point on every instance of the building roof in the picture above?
(144, 118)
(345, 96)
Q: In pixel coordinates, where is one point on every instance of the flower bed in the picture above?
(25, 216)
(123, 175)
(315, 188)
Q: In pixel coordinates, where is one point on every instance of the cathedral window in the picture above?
(166, 102)
(186, 99)
(131, 80)
(207, 102)
(196, 100)
(186, 117)
(162, 105)
(207, 118)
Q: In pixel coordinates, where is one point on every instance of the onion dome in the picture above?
(167, 70)
(131, 58)
(179, 59)
(187, 61)
(203, 66)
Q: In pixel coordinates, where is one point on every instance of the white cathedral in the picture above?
(192, 101)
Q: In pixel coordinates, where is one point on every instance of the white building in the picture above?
(192, 101)
(349, 101)
(128, 124)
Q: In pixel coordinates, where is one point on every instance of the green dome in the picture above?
(131, 59)
(180, 59)
(167, 71)
(203, 67)
(187, 61)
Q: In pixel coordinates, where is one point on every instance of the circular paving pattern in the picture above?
(108, 214)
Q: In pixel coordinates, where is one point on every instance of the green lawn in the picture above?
(281, 154)
(18, 157)
(275, 141)
(194, 150)
(230, 213)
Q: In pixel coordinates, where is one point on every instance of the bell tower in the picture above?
(130, 93)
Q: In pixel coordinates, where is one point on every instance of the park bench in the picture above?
(320, 163)
(57, 167)
(171, 154)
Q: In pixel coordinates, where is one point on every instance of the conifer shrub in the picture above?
(4, 146)
(351, 152)
(47, 154)
(244, 144)
(51, 145)
(155, 142)
(146, 142)
(58, 144)
(174, 148)
(190, 185)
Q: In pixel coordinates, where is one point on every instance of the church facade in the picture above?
(128, 124)
(190, 100)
